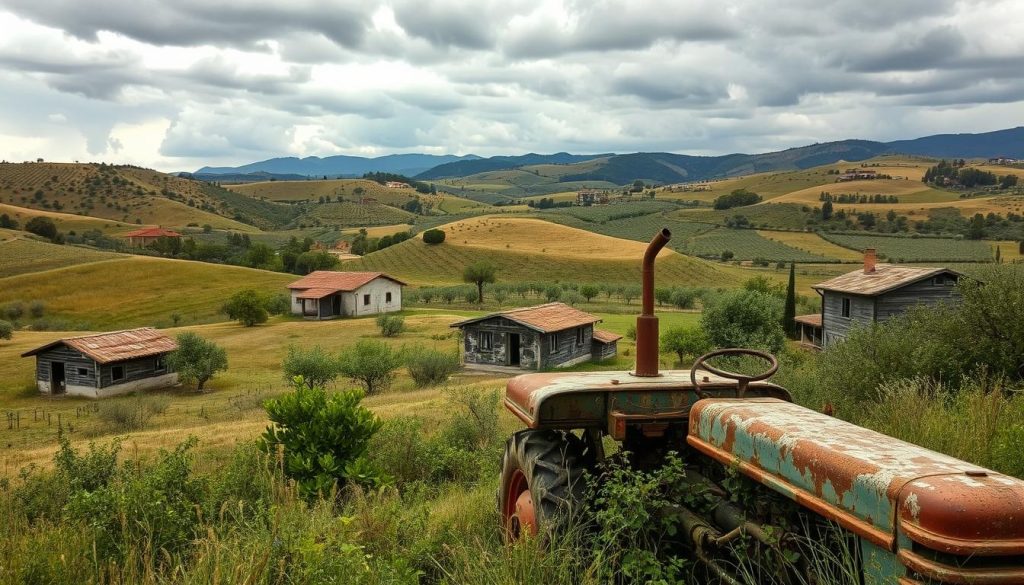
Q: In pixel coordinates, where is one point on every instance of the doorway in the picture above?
(336, 305)
(57, 378)
(513, 349)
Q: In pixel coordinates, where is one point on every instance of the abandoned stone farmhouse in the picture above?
(105, 364)
(326, 294)
(553, 335)
(873, 294)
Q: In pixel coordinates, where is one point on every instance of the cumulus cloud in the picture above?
(182, 84)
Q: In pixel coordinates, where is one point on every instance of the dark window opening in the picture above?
(553, 342)
(83, 371)
(366, 300)
(387, 297)
(117, 373)
(486, 340)
(160, 365)
(579, 336)
(846, 307)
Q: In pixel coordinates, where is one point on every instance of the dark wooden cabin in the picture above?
(874, 294)
(553, 335)
(105, 364)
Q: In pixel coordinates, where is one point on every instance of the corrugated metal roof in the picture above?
(153, 233)
(813, 320)
(545, 318)
(606, 336)
(886, 277)
(116, 346)
(338, 281)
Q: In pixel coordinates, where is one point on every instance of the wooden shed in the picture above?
(105, 364)
(874, 294)
(553, 335)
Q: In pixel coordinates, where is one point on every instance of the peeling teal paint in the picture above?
(879, 566)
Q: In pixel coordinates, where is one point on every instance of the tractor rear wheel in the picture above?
(541, 481)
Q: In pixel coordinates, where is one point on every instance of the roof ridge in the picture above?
(108, 333)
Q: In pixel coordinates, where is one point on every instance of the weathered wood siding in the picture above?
(926, 292)
(134, 370)
(835, 326)
(567, 352)
(500, 329)
(73, 361)
(604, 351)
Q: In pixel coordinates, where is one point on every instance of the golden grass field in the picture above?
(378, 231)
(138, 290)
(20, 254)
(66, 222)
(813, 243)
(536, 236)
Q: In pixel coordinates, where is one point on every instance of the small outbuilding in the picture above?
(105, 364)
(553, 335)
(325, 294)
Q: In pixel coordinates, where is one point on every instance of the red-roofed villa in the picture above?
(146, 236)
(328, 295)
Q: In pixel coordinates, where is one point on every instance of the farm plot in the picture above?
(348, 214)
(606, 213)
(20, 256)
(814, 244)
(788, 216)
(747, 245)
(907, 249)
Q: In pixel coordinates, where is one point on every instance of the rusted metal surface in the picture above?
(647, 322)
(585, 398)
(883, 278)
(116, 346)
(872, 484)
(935, 572)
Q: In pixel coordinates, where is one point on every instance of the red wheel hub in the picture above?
(520, 517)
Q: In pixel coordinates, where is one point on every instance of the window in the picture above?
(943, 280)
(846, 307)
(553, 342)
(579, 336)
(83, 371)
(486, 340)
(387, 298)
(366, 300)
(117, 373)
(160, 365)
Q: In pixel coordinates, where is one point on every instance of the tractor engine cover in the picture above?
(926, 507)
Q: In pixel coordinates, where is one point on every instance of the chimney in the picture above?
(869, 261)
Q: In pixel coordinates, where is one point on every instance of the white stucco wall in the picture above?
(296, 303)
(377, 289)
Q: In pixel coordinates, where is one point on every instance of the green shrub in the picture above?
(390, 325)
(429, 367)
(324, 437)
(14, 311)
(6, 330)
(278, 304)
(372, 363)
(433, 236)
(37, 308)
(475, 421)
(685, 342)
(316, 366)
(197, 360)
(247, 307)
(124, 415)
(744, 318)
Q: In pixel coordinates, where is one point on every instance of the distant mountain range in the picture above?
(653, 167)
(340, 166)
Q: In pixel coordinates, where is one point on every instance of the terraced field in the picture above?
(747, 245)
(905, 249)
(348, 214)
(812, 243)
(787, 216)
(21, 255)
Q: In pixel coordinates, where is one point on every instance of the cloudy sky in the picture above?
(178, 84)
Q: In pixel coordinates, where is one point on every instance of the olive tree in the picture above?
(197, 360)
(744, 318)
(480, 273)
(372, 363)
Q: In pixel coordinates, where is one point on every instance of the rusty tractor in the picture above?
(912, 516)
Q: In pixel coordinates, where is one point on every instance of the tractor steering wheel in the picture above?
(742, 380)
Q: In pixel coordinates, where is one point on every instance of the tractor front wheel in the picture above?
(541, 481)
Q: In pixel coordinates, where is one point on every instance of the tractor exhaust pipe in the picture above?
(647, 322)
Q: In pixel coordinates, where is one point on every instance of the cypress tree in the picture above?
(789, 311)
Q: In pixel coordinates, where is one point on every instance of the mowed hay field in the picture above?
(526, 250)
(812, 243)
(138, 291)
(20, 254)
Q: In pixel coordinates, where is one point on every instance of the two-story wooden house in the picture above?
(873, 294)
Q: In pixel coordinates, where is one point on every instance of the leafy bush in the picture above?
(6, 330)
(685, 342)
(278, 304)
(433, 236)
(738, 198)
(14, 311)
(247, 307)
(429, 367)
(42, 226)
(371, 363)
(324, 437)
(390, 325)
(37, 308)
(197, 360)
(315, 366)
(744, 318)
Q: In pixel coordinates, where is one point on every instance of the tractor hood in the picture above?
(888, 491)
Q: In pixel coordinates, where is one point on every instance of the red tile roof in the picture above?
(606, 336)
(316, 293)
(885, 277)
(116, 346)
(153, 233)
(545, 318)
(338, 281)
